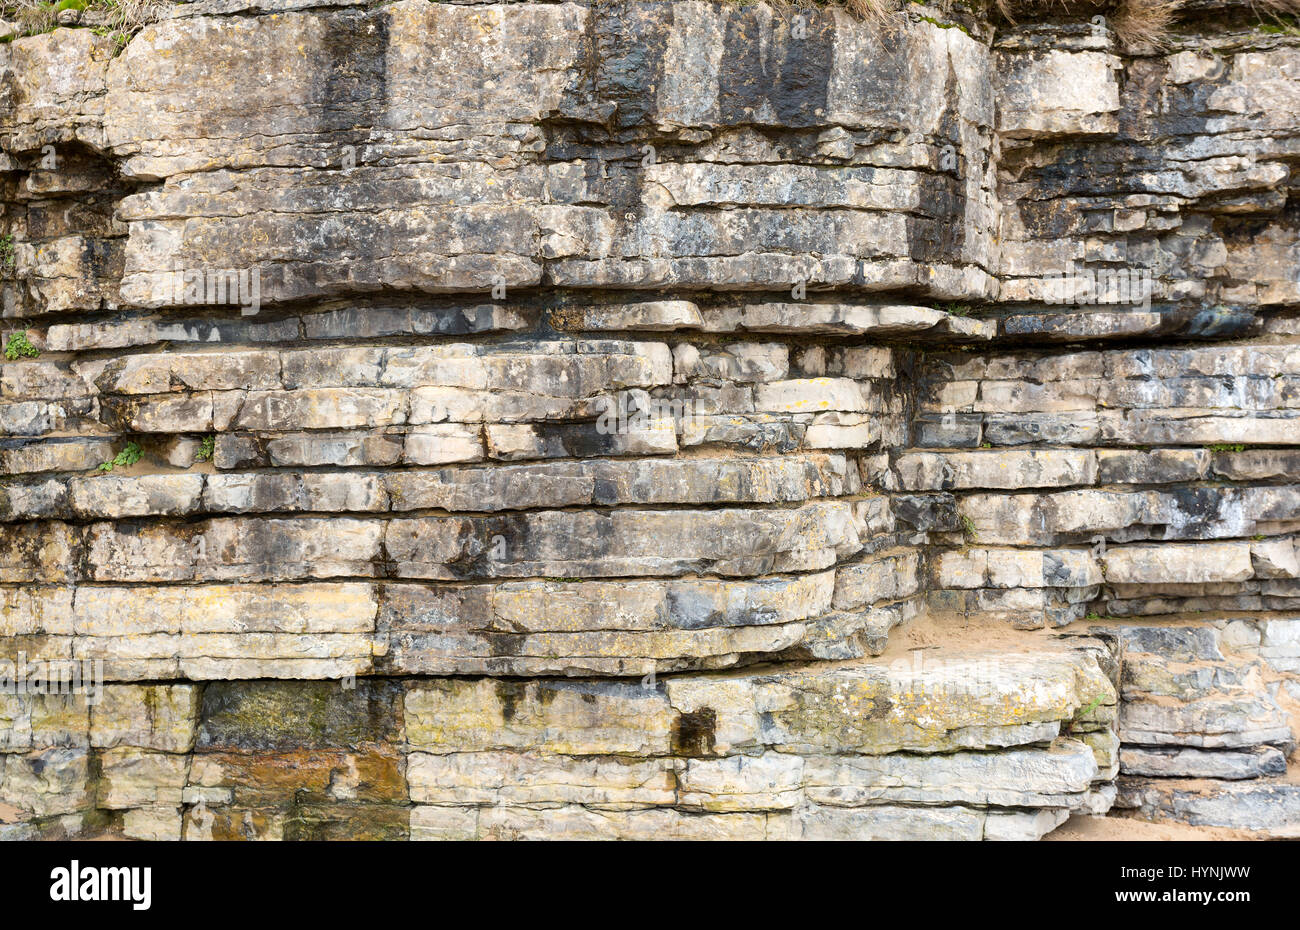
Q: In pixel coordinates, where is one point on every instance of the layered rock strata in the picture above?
(523, 420)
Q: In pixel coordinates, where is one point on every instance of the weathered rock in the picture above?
(1267, 807)
(1180, 689)
(1197, 763)
(513, 420)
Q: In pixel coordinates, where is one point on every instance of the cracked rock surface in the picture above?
(647, 420)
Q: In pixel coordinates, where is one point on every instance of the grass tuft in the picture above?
(121, 17)
(881, 12)
(1140, 25)
(1145, 24)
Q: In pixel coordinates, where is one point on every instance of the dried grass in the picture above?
(874, 11)
(124, 17)
(1138, 24)
(871, 10)
(1145, 24)
(1276, 7)
(30, 16)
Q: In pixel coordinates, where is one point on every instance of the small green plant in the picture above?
(956, 309)
(1084, 711)
(107, 32)
(207, 446)
(1093, 615)
(1280, 25)
(128, 456)
(20, 347)
(8, 256)
(77, 5)
(1091, 706)
(968, 529)
(941, 24)
(1227, 447)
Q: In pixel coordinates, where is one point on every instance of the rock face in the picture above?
(959, 748)
(532, 420)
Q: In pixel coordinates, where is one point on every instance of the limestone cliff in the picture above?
(522, 420)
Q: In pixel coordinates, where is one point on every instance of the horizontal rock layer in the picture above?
(952, 746)
(386, 421)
